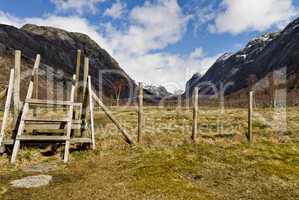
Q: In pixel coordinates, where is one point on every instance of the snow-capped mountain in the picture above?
(157, 91)
(269, 52)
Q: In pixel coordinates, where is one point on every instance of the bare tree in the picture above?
(118, 87)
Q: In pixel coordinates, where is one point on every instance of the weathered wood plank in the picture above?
(250, 114)
(91, 107)
(78, 64)
(22, 124)
(51, 126)
(49, 102)
(127, 137)
(85, 77)
(7, 106)
(35, 80)
(80, 140)
(30, 119)
(69, 124)
(72, 141)
(42, 138)
(16, 91)
(140, 113)
(35, 75)
(195, 111)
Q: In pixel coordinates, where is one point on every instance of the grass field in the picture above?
(168, 165)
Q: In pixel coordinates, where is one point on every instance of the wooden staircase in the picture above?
(65, 124)
(34, 127)
(61, 124)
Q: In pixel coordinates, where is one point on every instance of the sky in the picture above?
(159, 42)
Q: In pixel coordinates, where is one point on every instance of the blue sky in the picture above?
(161, 42)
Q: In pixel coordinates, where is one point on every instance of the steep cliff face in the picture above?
(261, 56)
(58, 49)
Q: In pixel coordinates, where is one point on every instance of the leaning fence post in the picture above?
(250, 114)
(35, 80)
(140, 112)
(195, 109)
(16, 91)
(85, 76)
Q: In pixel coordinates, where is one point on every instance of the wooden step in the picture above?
(8, 141)
(44, 125)
(47, 120)
(80, 140)
(52, 102)
(41, 138)
(62, 139)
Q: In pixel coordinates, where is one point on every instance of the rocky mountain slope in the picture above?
(58, 49)
(157, 91)
(271, 51)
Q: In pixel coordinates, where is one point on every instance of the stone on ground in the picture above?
(39, 168)
(32, 181)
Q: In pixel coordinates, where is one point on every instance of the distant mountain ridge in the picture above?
(158, 91)
(262, 55)
(58, 49)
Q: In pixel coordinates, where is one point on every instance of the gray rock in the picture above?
(32, 181)
(40, 168)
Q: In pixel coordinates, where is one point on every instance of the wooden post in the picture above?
(195, 110)
(140, 111)
(65, 92)
(85, 76)
(250, 113)
(35, 80)
(272, 89)
(7, 106)
(91, 107)
(78, 64)
(16, 91)
(84, 95)
(20, 128)
(69, 123)
(127, 137)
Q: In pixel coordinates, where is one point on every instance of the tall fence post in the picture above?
(85, 94)
(85, 76)
(195, 110)
(78, 64)
(140, 112)
(250, 114)
(35, 81)
(16, 91)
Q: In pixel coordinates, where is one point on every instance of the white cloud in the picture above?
(169, 70)
(78, 6)
(197, 53)
(151, 27)
(253, 15)
(69, 23)
(116, 10)
(6, 18)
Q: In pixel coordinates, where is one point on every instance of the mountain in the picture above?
(58, 50)
(158, 91)
(262, 55)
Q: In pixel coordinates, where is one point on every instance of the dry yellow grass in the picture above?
(168, 165)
